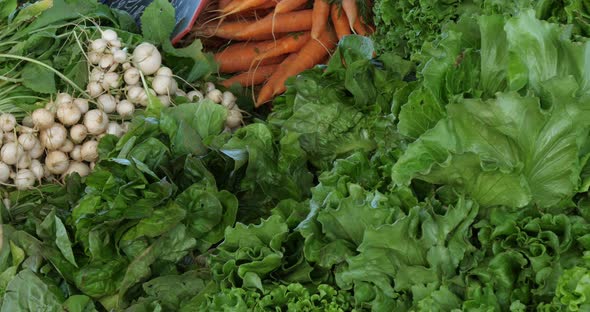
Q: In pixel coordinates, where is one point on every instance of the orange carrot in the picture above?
(223, 3)
(352, 13)
(254, 76)
(340, 22)
(310, 55)
(229, 30)
(267, 91)
(360, 28)
(285, 45)
(286, 6)
(239, 56)
(287, 22)
(321, 11)
(237, 6)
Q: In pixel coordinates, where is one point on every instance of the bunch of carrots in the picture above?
(272, 40)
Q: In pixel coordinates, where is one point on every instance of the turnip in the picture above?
(147, 58)
(115, 129)
(125, 126)
(27, 122)
(228, 100)
(51, 106)
(94, 57)
(106, 61)
(63, 98)
(109, 35)
(215, 96)
(164, 71)
(96, 121)
(9, 137)
(210, 86)
(115, 43)
(24, 179)
(57, 162)
(37, 150)
(4, 172)
(173, 86)
(180, 93)
(120, 56)
(67, 147)
(98, 45)
(107, 103)
(1, 137)
(135, 94)
(162, 85)
(53, 137)
(195, 94)
(126, 65)
(11, 153)
(76, 153)
(24, 161)
(144, 99)
(82, 105)
(96, 74)
(131, 76)
(37, 169)
(110, 81)
(125, 108)
(78, 133)
(43, 118)
(7, 122)
(68, 113)
(92, 165)
(234, 118)
(89, 151)
(94, 89)
(76, 166)
(165, 100)
(27, 141)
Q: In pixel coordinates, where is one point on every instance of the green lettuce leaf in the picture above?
(508, 151)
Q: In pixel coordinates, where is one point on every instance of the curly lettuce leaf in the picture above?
(507, 151)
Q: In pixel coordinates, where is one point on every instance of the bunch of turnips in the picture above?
(62, 137)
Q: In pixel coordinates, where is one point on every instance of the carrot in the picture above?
(352, 13)
(223, 3)
(267, 91)
(286, 6)
(229, 30)
(360, 28)
(287, 22)
(285, 45)
(340, 22)
(240, 56)
(253, 77)
(310, 55)
(321, 11)
(237, 6)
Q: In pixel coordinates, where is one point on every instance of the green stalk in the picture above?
(60, 75)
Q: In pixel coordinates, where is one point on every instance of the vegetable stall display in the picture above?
(439, 164)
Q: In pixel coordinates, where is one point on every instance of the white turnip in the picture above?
(7, 122)
(125, 108)
(96, 121)
(24, 179)
(68, 113)
(89, 151)
(53, 137)
(107, 103)
(43, 118)
(57, 162)
(78, 133)
(147, 58)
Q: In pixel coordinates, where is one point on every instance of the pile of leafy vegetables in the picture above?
(366, 189)
(404, 26)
